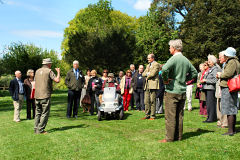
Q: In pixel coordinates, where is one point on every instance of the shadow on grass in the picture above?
(198, 132)
(67, 128)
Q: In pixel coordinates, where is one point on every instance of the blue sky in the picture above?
(42, 22)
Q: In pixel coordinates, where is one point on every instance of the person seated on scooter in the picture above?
(111, 82)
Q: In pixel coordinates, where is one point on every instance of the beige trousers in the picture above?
(222, 119)
(17, 107)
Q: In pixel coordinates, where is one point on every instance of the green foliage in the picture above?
(208, 26)
(22, 57)
(5, 80)
(100, 38)
(61, 85)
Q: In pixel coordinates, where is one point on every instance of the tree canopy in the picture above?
(100, 38)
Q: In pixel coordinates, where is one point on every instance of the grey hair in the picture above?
(152, 55)
(16, 72)
(30, 71)
(140, 66)
(221, 53)
(132, 65)
(176, 44)
(75, 62)
(212, 58)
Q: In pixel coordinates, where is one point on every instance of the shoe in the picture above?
(151, 119)
(44, 132)
(17, 121)
(145, 118)
(207, 121)
(190, 110)
(228, 134)
(163, 141)
(75, 116)
(68, 117)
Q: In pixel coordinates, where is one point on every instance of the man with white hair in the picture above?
(17, 92)
(132, 68)
(75, 82)
(175, 73)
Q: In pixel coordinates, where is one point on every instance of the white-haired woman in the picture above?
(229, 100)
(29, 85)
(209, 86)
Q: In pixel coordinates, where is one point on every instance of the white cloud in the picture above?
(142, 5)
(38, 33)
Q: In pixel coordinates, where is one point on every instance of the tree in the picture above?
(22, 57)
(100, 37)
(208, 26)
(153, 34)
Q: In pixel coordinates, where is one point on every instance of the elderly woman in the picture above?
(29, 85)
(94, 90)
(229, 100)
(209, 83)
(202, 99)
(126, 89)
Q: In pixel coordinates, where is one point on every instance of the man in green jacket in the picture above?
(176, 72)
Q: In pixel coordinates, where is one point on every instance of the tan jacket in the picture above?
(151, 74)
(122, 85)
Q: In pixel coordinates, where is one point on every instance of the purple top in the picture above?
(128, 82)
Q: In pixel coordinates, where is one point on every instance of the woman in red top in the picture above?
(202, 100)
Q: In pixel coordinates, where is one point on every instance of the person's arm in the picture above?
(145, 72)
(11, 87)
(154, 71)
(229, 70)
(192, 73)
(213, 78)
(57, 79)
(166, 69)
(67, 79)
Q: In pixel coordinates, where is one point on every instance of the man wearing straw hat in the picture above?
(43, 89)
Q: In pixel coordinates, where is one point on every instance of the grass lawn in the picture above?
(131, 138)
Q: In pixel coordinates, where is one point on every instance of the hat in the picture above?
(230, 52)
(47, 61)
(111, 75)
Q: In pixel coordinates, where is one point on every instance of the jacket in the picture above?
(231, 68)
(71, 81)
(211, 78)
(151, 74)
(14, 89)
(122, 86)
(97, 81)
(135, 80)
(28, 88)
(161, 90)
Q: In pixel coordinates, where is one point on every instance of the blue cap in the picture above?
(230, 52)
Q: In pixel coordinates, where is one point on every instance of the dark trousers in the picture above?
(139, 99)
(132, 102)
(94, 102)
(174, 104)
(73, 97)
(211, 103)
(30, 105)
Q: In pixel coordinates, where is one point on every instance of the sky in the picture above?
(42, 22)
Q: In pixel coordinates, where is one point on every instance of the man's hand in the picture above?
(218, 75)
(58, 70)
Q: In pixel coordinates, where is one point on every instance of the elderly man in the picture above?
(17, 91)
(176, 72)
(138, 82)
(222, 119)
(151, 86)
(43, 89)
(120, 76)
(75, 82)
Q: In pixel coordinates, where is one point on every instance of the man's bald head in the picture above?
(18, 74)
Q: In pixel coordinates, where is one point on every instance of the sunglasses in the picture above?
(105, 72)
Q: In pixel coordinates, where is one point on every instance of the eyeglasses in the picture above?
(105, 72)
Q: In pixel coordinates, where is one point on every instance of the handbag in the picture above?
(197, 93)
(86, 99)
(234, 84)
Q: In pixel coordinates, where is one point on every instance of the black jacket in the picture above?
(134, 81)
(97, 81)
(161, 90)
(14, 89)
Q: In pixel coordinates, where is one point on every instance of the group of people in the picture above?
(148, 88)
(217, 103)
